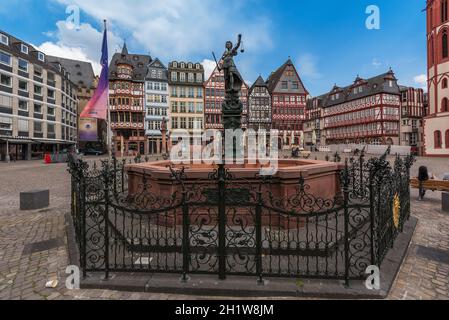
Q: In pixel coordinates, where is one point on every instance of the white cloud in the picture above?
(307, 65)
(84, 44)
(376, 63)
(179, 28)
(209, 67)
(421, 79)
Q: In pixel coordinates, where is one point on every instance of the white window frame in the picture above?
(34, 108)
(25, 62)
(2, 39)
(48, 93)
(51, 114)
(41, 57)
(10, 59)
(10, 83)
(24, 48)
(37, 94)
(27, 86)
(26, 102)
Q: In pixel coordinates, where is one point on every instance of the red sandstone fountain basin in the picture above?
(320, 176)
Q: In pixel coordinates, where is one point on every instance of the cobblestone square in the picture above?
(33, 244)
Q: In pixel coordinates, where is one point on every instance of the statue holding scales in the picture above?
(232, 106)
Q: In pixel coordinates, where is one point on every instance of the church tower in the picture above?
(436, 122)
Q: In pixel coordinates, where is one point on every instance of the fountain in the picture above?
(320, 177)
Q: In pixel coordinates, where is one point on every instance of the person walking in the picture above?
(423, 176)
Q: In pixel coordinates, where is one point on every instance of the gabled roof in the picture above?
(81, 72)
(138, 62)
(260, 82)
(157, 64)
(374, 85)
(276, 76)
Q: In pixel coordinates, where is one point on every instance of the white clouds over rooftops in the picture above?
(178, 28)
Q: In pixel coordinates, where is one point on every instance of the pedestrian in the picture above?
(423, 176)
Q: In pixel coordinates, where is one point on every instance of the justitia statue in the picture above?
(232, 106)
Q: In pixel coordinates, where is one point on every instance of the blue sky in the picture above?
(327, 40)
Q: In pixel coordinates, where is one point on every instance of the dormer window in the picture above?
(41, 56)
(190, 66)
(390, 83)
(197, 66)
(4, 39)
(175, 64)
(183, 65)
(24, 49)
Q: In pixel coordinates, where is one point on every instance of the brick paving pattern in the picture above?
(33, 246)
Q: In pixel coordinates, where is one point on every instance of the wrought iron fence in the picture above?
(224, 225)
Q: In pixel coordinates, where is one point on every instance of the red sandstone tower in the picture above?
(436, 123)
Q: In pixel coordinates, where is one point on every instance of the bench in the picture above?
(432, 185)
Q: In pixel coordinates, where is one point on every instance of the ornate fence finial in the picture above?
(302, 182)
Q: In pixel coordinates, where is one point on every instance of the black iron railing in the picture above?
(229, 226)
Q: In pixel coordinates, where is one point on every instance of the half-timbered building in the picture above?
(259, 107)
(288, 96)
(365, 112)
(413, 107)
(126, 98)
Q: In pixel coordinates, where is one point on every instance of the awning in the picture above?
(17, 141)
(52, 142)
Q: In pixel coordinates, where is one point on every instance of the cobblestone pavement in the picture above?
(27, 262)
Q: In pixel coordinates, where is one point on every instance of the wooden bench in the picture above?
(433, 185)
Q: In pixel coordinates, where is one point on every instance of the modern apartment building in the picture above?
(156, 104)
(82, 75)
(38, 102)
(186, 101)
(127, 74)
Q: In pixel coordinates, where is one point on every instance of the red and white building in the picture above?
(126, 102)
(289, 97)
(413, 110)
(368, 111)
(214, 96)
(436, 123)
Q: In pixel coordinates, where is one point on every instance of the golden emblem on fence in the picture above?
(396, 210)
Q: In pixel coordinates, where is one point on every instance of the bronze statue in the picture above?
(233, 79)
(232, 106)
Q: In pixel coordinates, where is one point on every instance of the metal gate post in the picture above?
(221, 222)
(259, 238)
(82, 214)
(106, 180)
(346, 208)
(185, 237)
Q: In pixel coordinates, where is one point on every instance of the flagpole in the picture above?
(109, 136)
